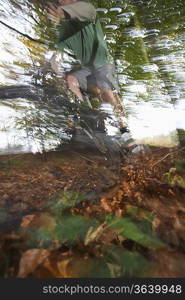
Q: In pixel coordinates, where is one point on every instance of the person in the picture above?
(81, 32)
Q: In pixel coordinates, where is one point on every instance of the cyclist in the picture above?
(81, 32)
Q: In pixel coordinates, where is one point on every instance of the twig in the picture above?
(163, 158)
(84, 157)
(23, 34)
(32, 39)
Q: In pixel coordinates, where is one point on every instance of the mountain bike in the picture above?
(84, 123)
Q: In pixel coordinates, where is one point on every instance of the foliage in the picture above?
(180, 165)
(176, 176)
(138, 231)
(125, 263)
(65, 200)
(71, 229)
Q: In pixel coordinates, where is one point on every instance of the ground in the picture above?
(69, 214)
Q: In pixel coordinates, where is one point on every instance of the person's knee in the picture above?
(72, 81)
(94, 89)
(108, 96)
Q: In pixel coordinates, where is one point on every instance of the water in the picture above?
(146, 40)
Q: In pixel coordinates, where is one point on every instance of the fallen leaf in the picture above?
(26, 220)
(44, 221)
(94, 234)
(62, 268)
(30, 260)
(105, 205)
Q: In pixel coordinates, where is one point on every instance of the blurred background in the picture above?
(146, 40)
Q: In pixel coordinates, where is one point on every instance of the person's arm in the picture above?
(55, 14)
(56, 62)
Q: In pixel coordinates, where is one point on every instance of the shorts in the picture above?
(102, 77)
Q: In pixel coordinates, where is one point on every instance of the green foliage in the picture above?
(71, 229)
(175, 176)
(174, 179)
(136, 225)
(65, 200)
(116, 262)
(122, 262)
(64, 229)
(180, 165)
(139, 213)
(133, 263)
(38, 238)
(137, 231)
(96, 268)
(181, 136)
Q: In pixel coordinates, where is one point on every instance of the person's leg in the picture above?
(114, 99)
(77, 80)
(73, 85)
(106, 81)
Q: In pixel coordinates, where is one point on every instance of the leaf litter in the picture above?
(59, 217)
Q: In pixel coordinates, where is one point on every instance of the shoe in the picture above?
(125, 139)
(124, 130)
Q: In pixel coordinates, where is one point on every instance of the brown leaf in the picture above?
(42, 220)
(26, 220)
(62, 268)
(30, 260)
(119, 212)
(105, 205)
(58, 268)
(94, 234)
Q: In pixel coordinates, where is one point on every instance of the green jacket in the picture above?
(82, 33)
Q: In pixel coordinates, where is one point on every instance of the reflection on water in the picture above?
(146, 39)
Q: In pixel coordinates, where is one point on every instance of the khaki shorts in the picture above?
(102, 77)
